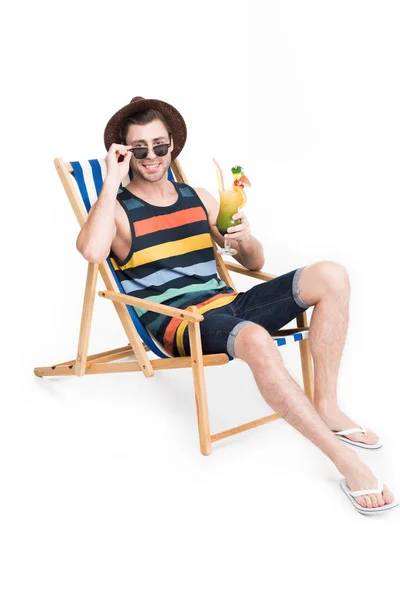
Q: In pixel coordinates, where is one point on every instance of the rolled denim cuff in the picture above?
(231, 337)
(295, 289)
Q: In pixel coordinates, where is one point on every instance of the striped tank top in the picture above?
(171, 261)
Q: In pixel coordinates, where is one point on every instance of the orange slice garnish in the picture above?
(242, 200)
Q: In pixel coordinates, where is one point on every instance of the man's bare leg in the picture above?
(326, 285)
(255, 346)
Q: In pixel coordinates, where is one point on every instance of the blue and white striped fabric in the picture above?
(290, 338)
(87, 178)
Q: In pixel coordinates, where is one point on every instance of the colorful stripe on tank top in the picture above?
(166, 250)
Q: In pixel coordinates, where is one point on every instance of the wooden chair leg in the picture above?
(196, 355)
(306, 359)
(86, 319)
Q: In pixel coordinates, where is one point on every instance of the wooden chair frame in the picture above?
(104, 362)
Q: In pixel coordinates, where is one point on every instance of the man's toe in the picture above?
(361, 501)
(371, 438)
(368, 501)
(374, 501)
(387, 496)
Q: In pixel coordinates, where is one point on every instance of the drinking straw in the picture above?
(220, 186)
(220, 176)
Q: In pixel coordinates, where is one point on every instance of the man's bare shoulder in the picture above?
(211, 204)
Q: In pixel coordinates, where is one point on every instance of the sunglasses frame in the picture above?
(153, 148)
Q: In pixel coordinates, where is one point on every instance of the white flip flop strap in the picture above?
(354, 430)
(368, 492)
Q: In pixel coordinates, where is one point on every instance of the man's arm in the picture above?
(96, 236)
(250, 252)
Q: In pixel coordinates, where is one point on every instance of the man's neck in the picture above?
(157, 191)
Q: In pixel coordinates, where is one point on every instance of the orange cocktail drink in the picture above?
(230, 202)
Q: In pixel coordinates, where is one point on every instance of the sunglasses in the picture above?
(159, 150)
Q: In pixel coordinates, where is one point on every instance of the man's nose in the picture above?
(151, 153)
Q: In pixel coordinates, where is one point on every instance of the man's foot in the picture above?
(338, 421)
(360, 477)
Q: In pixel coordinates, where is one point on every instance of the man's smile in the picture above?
(151, 166)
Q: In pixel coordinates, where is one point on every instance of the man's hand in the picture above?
(250, 251)
(115, 169)
(240, 233)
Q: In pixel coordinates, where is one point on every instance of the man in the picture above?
(158, 235)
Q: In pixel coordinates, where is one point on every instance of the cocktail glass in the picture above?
(231, 200)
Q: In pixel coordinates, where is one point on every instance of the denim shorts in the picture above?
(271, 304)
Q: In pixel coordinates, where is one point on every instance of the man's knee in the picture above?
(254, 343)
(321, 278)
(335, 275)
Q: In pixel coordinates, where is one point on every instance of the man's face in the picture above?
(153, 167)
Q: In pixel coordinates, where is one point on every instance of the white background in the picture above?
(104, 491)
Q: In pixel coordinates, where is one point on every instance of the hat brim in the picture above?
(173, 117)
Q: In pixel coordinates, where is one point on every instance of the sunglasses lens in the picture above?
(140, 153)
(161, 150)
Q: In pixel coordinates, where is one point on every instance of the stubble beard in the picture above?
(152, 177)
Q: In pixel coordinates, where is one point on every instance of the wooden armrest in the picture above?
(243, 271)
(153, 306)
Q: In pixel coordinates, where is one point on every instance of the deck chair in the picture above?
(82, 182)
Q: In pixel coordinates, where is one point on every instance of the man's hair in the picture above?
(142, 118)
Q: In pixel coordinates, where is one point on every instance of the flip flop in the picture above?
(341, 435)
(361, 509)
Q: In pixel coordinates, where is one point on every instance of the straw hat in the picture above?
(171, 115)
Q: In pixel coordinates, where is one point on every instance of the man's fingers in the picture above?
(235, 236)
(235, 228)
(119, 149)
(115, 152)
